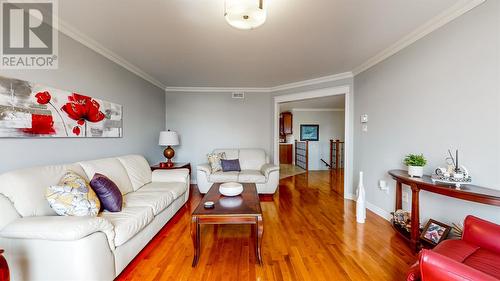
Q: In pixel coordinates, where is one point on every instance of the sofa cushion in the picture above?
(252, 159)
(109, 194)
(175, 188)
(26, 188)
(111, 168)
(224, 176)
(157, 200)
(485, 261)
(229, 153)
(73, 197)
(128, 222)
(455, 249)
(138, 170)
(58, 228)
(251, 176)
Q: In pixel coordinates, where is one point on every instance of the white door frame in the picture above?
(348, 134)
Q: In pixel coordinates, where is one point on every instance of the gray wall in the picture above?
(331, 126)
(441, 92)
(206, 121)
(83, 70)
(349, 187)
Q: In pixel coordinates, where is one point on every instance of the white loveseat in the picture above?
(255, 168)
(39, 245)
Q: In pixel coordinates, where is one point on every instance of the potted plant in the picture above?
(415, 164)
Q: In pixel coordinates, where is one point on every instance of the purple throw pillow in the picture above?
(110, 196)
(230, 165)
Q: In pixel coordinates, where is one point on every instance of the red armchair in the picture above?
(475, 257)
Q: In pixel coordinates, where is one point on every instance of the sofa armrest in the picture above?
(267, 169)
(204, 168)
(58, 228)
(482, 233)
(173, 175)
(436, 267)
(413, 274)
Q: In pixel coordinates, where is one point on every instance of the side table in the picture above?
(177, 165)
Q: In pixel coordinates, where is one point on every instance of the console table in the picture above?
(466, 192)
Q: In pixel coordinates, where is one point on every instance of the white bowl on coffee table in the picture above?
(231, 188)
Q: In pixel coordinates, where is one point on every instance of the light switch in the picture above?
(364, 118)
(364, 127)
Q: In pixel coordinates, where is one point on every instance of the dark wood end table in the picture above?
(177, 165)
(241, 209)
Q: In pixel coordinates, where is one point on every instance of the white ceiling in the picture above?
(330, 102)
(188, 42)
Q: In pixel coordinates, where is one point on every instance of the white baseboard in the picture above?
(375, 209)
(350, 196)
(378, 211)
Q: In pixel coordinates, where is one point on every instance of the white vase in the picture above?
(415, 171)
(361, 201)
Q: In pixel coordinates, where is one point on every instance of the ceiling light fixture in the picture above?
(245, 14)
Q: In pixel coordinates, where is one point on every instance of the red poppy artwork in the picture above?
(34, 110)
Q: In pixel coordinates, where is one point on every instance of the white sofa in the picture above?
(39, 245)
(255, 168)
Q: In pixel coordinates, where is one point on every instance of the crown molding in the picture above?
(442, 19)
(216, 89)
(318, 109)
(77, 35)
(315, 81)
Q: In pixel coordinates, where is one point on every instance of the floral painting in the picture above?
(34, 110)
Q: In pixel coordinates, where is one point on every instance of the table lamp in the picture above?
(168, 138)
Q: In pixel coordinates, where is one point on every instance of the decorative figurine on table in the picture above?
(402, 218)
(453, 174)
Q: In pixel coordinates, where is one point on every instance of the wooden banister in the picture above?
(302, 154)
(336, 153)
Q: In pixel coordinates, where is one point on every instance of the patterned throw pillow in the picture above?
(214, 160)
(73, 197)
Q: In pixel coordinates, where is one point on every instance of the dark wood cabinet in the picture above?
(286, 123)
(286, 151)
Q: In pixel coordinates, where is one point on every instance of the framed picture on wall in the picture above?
(309, 132)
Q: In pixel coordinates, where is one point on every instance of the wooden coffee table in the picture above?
(241, 209)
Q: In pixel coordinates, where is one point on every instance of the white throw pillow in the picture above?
(73, 197)
(214, 161)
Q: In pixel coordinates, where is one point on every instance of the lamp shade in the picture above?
(168, 138)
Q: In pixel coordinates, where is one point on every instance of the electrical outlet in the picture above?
(382, 184)
(405, 197)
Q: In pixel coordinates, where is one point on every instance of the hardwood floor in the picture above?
(310, 233)
(288, 170)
